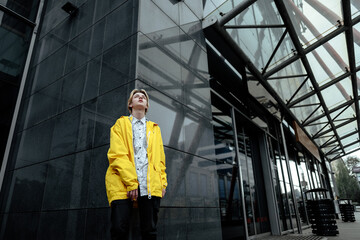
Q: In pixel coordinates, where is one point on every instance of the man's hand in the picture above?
(163, 192)
(133, 195)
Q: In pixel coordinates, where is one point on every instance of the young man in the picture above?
(136, 169)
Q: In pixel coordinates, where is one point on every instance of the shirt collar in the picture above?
(134, 119)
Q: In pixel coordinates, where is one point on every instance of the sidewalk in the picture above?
(347, 231)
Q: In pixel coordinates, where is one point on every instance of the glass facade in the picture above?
(230, 160)
(15, 31)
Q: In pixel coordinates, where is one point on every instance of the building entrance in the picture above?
(242, 199)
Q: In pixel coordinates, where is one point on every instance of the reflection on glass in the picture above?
(274, 155)
(27, 9)
(304, 186)
(299, 199)
(253, 181)
(260, 43)
(248, 177)
(15, 37)
(355, 8)
(356, 28)
(231, 209)
(282, 196)
(313, 19)
(330, 60)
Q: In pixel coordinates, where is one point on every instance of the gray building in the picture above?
(252, 102)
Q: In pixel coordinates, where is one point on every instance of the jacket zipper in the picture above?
(149, 189)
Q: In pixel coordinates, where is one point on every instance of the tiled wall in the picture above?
(81, 75)
(172, 67)
(82, 72)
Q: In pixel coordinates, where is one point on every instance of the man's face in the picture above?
(139, 101)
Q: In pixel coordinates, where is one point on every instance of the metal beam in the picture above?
(220, 38)
(332, 129)
(345, 104)
(255, 26)
(274, 52)
(288, 76)
(235, 11)
(343, 137)
(297, 90)
(326, 85)
(351, 54)
(293, 35)
(347, 145)
(312, 47)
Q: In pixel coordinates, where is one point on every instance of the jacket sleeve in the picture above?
(162, 162)
(119, 158)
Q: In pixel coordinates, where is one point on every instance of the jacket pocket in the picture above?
(115, 183)
(157, 177)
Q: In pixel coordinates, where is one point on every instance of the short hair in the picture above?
(133, 92)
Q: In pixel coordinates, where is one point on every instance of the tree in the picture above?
(352, 162)
(347, 184)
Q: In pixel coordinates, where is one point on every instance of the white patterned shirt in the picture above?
(140, 152)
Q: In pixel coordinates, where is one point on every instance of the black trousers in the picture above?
(121, 213)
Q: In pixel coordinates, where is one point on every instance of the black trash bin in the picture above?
(321, 212)
(346, 210)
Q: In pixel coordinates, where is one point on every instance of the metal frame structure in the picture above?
(216, 30)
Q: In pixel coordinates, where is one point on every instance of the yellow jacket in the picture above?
(121, 174)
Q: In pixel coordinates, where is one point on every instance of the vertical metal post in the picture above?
(267, 167)
(20, 94)
(242, 195)
(290, 178)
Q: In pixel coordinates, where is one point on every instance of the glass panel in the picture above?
(15, 38)
(248, 178)
(321, 140)
(284, 51)
(352, 147)
(305, 186)
(295, 179)
(316, 176)
(331, 156)
(27, 9)
(286, 87)
(348, 140)
(355, 8)
(161, 65)
(253, 182)
(312, 19)
(348, 128)
(331, 148)
(284, 178)
(315, 128)
(337, 123)
(256, 14)
(277, 175)
(344, 113)
(338, 93)
(217, 8)
(302, 111)
(231, 208)
(358, 77)
(330, 60)
(259, 43)
(263, 96)
(356, 30)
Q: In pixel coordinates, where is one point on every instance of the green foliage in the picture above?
(347, 185)
(352, 162)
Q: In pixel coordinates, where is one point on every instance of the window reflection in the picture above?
(232, 219)
(27, 9)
